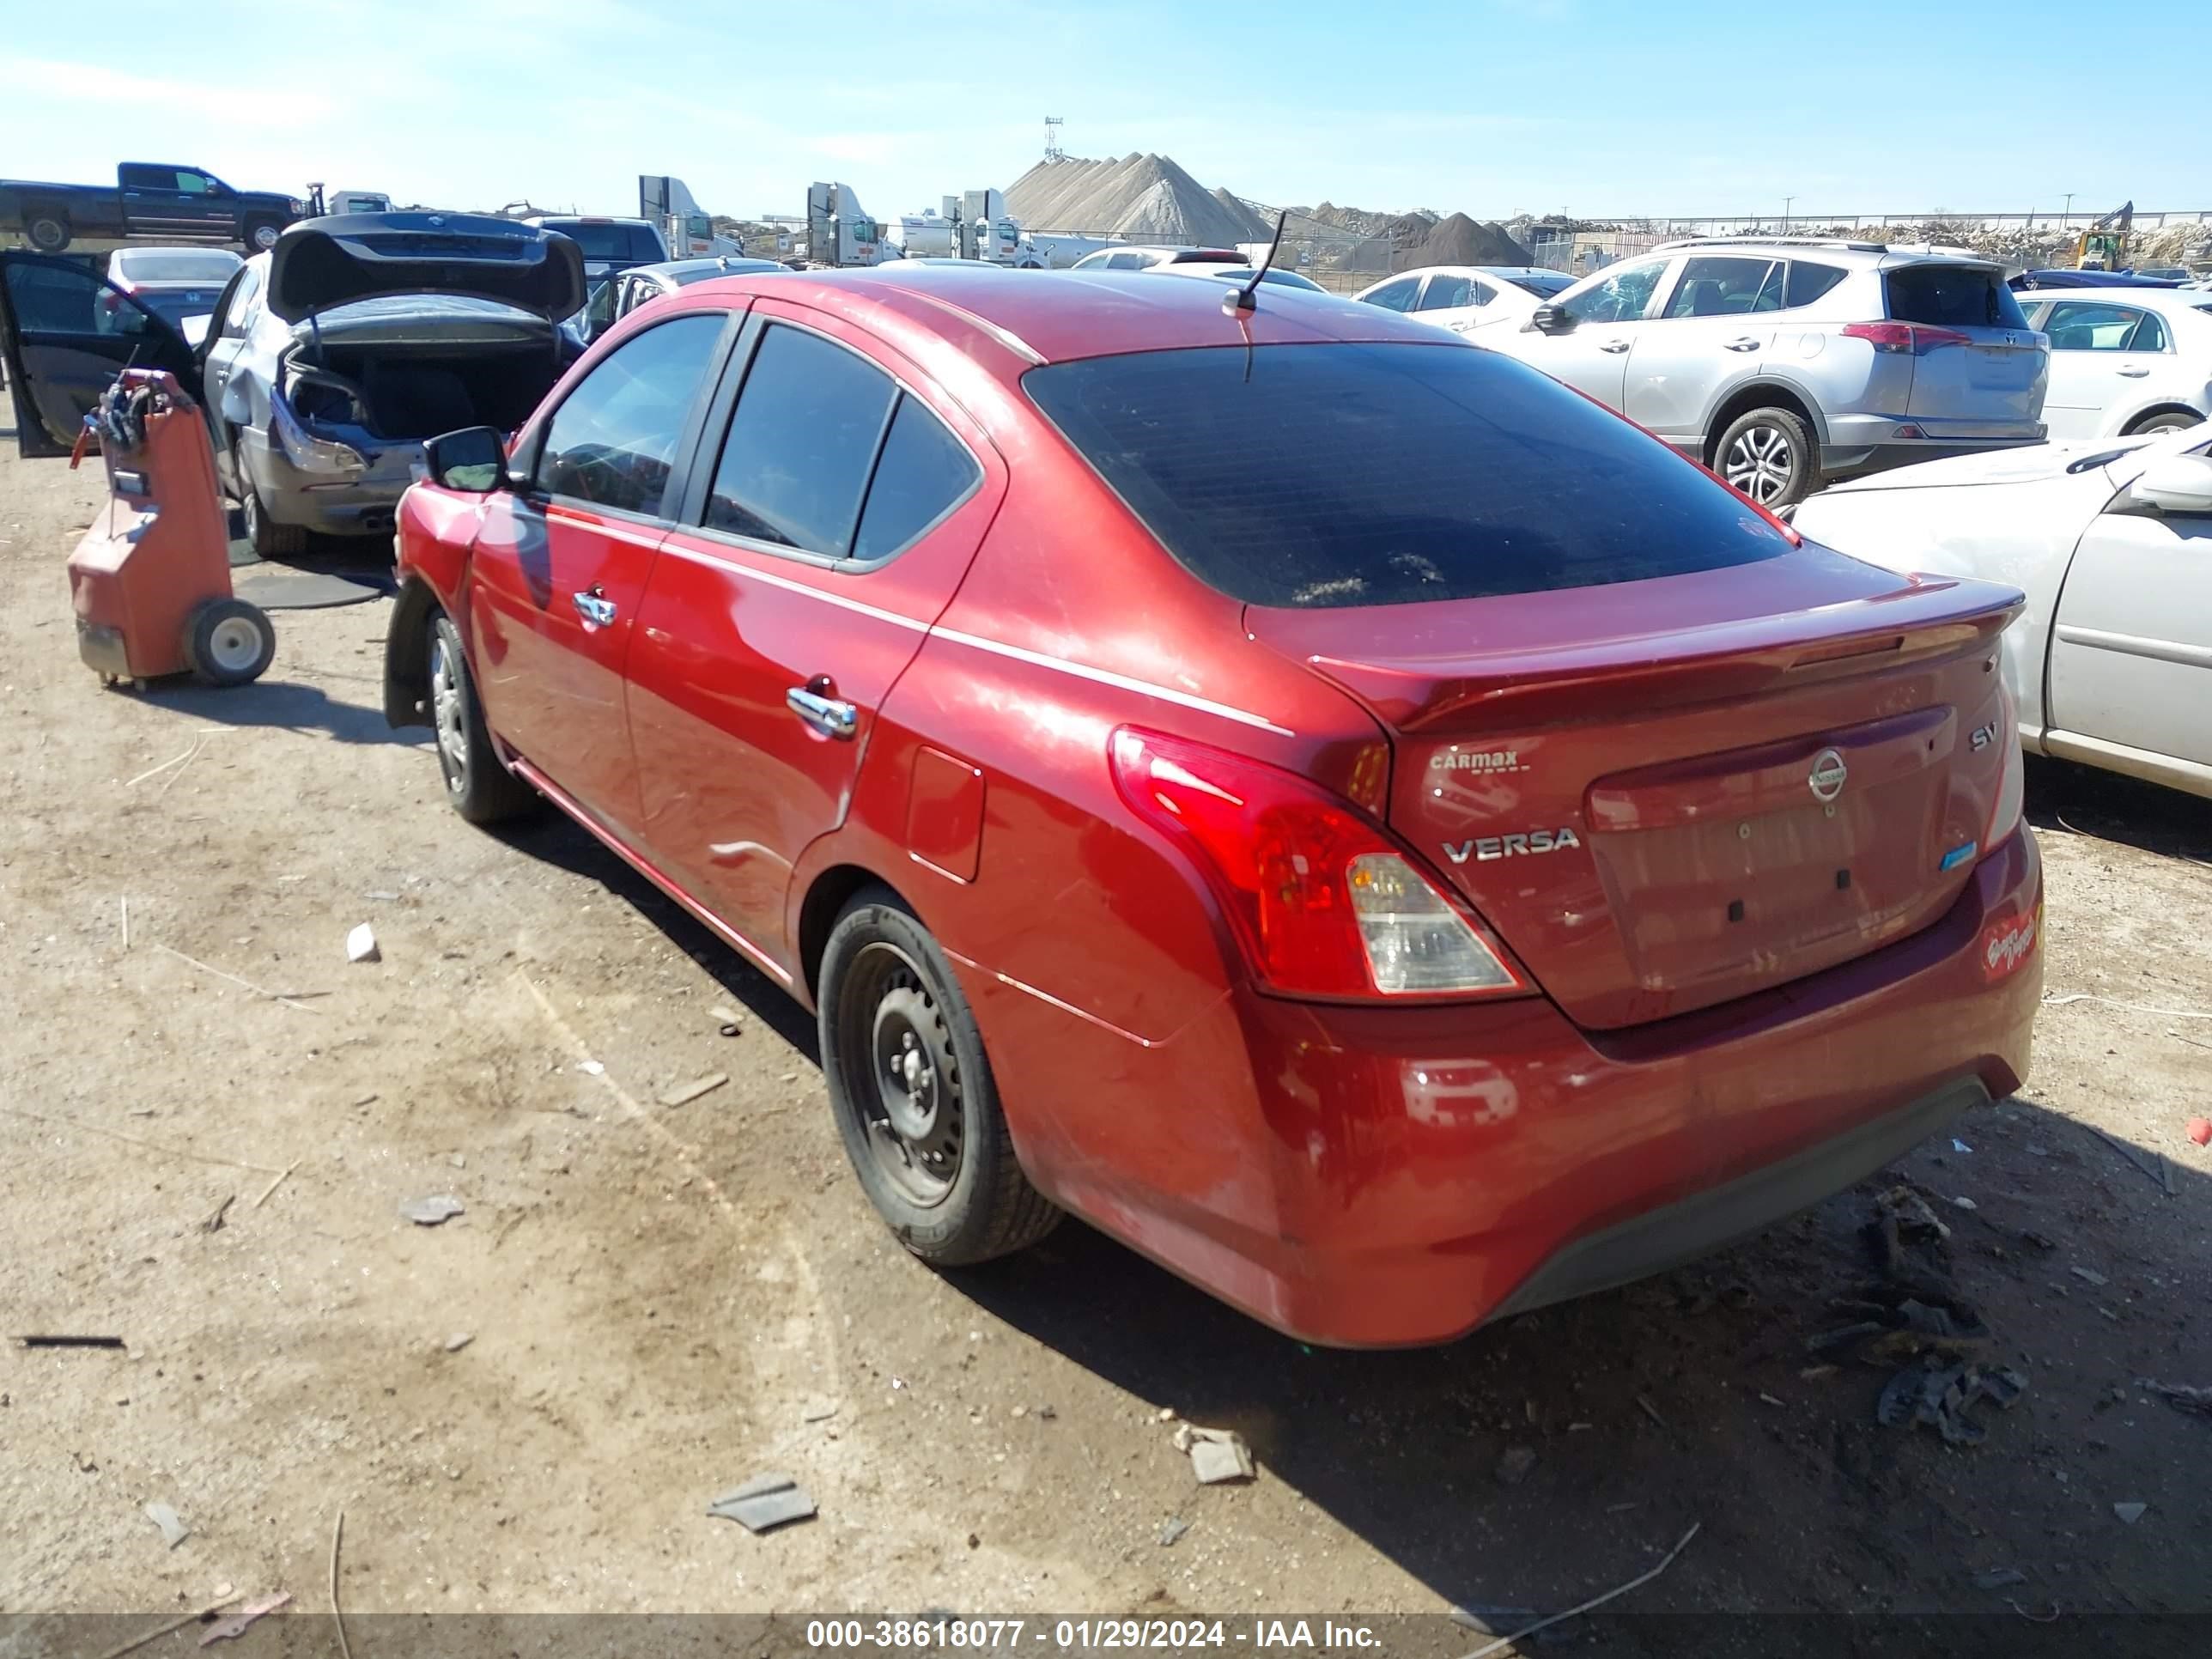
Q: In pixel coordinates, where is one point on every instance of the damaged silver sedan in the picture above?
(334, 355)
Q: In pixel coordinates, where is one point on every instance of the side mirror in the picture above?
(472, 460)
(2179, 485)
(1550, 320)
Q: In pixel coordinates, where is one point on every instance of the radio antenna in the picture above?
(1241, 299)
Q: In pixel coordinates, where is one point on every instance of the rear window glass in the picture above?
(1537, 283)
(1952, 297)
(1327, 476)
(633, 243)
(185, 265)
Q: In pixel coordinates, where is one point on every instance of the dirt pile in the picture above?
(1403, 229)
(1460, 240)
(1144, 198)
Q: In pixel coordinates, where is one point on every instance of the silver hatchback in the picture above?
(1785, 363)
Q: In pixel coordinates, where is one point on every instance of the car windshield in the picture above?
(185, 265)
(1362, 474)
(611, 240)
(1545, 283)
(174, 304)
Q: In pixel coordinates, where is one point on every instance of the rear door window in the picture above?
(1361, 474)
(1444, 293)
(2089, 325)
(1808, 280)
(2149, 335)
(802, 441)
(612, 441)
(1951, 296)
(1722, 287)
(923, 473)
(1396, 296)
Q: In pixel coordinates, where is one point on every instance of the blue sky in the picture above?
(1484, 106)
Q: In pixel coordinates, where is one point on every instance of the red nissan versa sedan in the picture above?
(1328, 806)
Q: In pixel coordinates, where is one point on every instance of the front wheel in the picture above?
(913, 1094)
(262, 234)
(482, 789)
(1769, 455)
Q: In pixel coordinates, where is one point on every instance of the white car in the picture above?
(1144, 258)
(1463, 298)
(1221, 271)
(2110, 663)
(2123, 361)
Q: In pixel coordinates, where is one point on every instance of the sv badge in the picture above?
(1508, 847)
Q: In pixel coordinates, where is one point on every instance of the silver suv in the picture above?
(1785, 362)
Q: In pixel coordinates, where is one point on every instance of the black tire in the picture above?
(886, 992)
(2166, 420)
(261, 234)
(1770, 455)
(229, 642)
(47, 230)
(479, 785)
(270, 540)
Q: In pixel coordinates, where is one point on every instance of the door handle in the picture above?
(2132, 374)
(828, 715)
(1742, 345)
(594, 607)
(1613, 345)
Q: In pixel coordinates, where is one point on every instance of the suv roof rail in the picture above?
(1772, 241)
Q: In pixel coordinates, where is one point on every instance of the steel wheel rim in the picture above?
(234, 645)
(894, 1050)
(264, 237)
(449, 714)
(1760, 462)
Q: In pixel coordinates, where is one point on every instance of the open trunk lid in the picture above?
(319, 265)
(1667, 793)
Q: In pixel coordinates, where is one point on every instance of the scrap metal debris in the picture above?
(434, 1211)
(764, 1503)
(1942, 1397)
(2130, 1513)
(686, 1093)
(459, 1340)
(171, 1525)
(71, 1341)
(1217, 1455)
(1171, 1529)
(227, 1630)
(213, 1223)
(1999, 1578)
(2179, 1395)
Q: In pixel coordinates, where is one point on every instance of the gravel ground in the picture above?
(663, 1301)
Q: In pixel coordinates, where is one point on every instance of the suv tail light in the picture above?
(1323, 902)
(1910, 339)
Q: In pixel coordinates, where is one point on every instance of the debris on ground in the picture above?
(1942, 1398)
(1485, 1619)
(817, 1411)
(2130, 1513)
(729, 1023)
(213, 1223)
(1999, 1578)
(361, 944)
(1963, 1203)
(173, 1530)
(1513, 1466)
(2200, 1130)
(228, 1630)
(1645, 1404)
(1524, 1632)
(459, 1340)
(431, 1212)
(2088, 1276)
(1171, 1529)
(764, 1503)
(71, 1341)
(2179, 1395)
(1217, 1455)
(684, 1094)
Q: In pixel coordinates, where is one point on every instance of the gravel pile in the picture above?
(1460, 240)
(1144, 198)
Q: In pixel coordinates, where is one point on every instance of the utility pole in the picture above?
(1786, 201)
(2069, 211)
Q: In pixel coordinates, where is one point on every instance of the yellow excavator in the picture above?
(2104, 245)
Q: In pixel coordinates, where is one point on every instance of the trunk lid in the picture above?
(1665, 793)
(1976, 358)
(319, 265)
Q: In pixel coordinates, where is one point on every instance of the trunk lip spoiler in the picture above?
(1670, 666)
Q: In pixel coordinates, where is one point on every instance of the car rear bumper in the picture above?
(1858, 444)
(1382, 1177)
(361, 506)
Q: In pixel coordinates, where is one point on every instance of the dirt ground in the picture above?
(664, 1301)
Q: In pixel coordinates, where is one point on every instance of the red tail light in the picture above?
(1323, 902)
(1910, 339)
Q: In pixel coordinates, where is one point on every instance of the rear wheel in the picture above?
(270, 540)
(482, 789)
(261, 234)
(1769, 455)
(229, 642)
(913, 1093)
(47, 230)
(2168, 420)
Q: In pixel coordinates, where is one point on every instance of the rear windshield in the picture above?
(173, 305)
(633, 243)
(183, 266)
(1541, 283)
(1952, 297)
(1342, 474)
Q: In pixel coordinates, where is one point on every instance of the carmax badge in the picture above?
(1826, 778)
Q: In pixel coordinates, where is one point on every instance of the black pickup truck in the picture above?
(150, 201)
